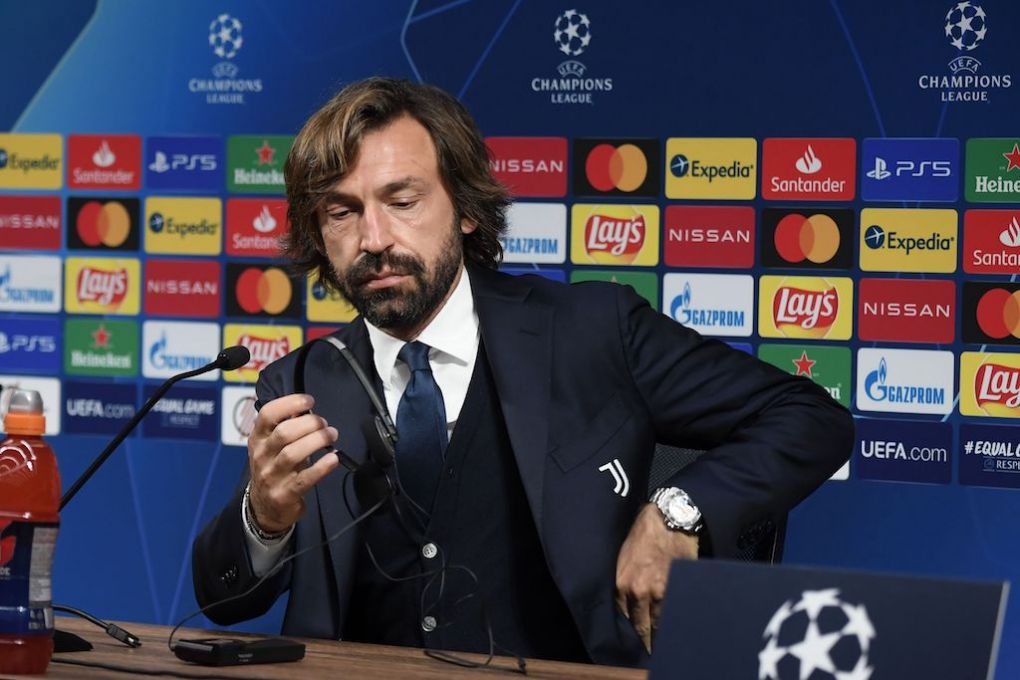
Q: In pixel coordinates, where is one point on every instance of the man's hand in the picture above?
(283, 438)
(643, 567)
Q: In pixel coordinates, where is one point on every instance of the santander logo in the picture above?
(809, 163)
(1010, 236)
(101, 286)
(264, 351)
(807, 309)
(997, 384)
(617, 236)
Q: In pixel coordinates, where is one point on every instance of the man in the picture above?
(511, 396)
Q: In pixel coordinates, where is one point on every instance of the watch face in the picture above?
(681, 512)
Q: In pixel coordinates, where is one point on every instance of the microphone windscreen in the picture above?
(233, 357)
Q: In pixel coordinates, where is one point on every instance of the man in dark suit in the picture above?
(527, 411)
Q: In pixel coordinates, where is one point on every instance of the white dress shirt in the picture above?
(453, 337)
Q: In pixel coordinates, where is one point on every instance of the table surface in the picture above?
(323, 659)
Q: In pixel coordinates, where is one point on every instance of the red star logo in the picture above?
(1013, 157)
(101, 337)
(804, 364)
(265, 153)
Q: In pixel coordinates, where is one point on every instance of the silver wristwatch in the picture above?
(678, 510)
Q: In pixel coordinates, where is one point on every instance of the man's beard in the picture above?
(393, 308)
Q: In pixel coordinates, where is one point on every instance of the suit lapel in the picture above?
(341, 400)
(517, 337)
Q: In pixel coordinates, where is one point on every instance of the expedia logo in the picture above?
(717, 168)
(264, 351)
(876, 238)
(910, 240)
(680, 166)
(157, 223)
(616, 167)
(183, 225)
(615, 236)
(878, 389)
(103, 287)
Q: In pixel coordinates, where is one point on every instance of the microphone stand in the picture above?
(228, 360)
(129, 428)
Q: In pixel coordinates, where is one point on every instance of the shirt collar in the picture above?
(453, 332)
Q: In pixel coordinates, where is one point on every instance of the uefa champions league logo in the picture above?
(573, 33)
(820, 636)
(225, 36)
(966, 25)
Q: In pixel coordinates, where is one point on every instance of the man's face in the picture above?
(391, 232)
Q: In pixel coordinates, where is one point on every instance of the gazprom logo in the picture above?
(878, 389)
(162, 360)
(681, 310)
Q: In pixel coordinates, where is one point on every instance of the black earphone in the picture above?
(372, 482)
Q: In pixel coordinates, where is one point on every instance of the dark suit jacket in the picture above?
(586, 374)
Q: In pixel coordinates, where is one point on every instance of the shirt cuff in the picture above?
(264, 554)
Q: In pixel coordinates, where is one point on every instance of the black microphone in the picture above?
(228, 360)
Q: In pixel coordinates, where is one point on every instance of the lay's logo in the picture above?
(997, 384)
(805, 307)
(994, 385)
(264, 351)
(102, 286)
(265, 343)
(615, 234)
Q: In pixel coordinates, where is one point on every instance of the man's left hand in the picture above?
(643, 567)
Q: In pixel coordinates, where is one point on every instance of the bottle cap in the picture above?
(24, 412)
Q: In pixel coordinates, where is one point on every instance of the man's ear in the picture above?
(467, 226)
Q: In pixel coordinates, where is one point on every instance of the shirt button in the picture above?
(428, 624)
(429, 550)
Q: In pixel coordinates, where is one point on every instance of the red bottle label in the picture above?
(26, 563)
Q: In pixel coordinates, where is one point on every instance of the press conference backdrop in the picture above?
(831, 186)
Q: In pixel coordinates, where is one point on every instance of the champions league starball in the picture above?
(573, 32)
(225, 36)
(820, 637)
(966, 25)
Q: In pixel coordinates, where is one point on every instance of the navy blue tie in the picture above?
(421, 424)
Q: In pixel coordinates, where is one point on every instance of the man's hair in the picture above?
(327, 148)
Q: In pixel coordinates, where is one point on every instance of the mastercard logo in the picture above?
(266, 291)
(998, 313)
(622, 167)
(107, 224)
(814, 238)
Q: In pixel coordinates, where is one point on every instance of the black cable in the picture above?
(140, 671)
(275, 569)
(112, 629)
(440, 573)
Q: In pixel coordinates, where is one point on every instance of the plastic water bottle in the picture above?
(29, 504)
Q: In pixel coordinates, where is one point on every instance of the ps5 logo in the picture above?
(910, 168)
(182, 161)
